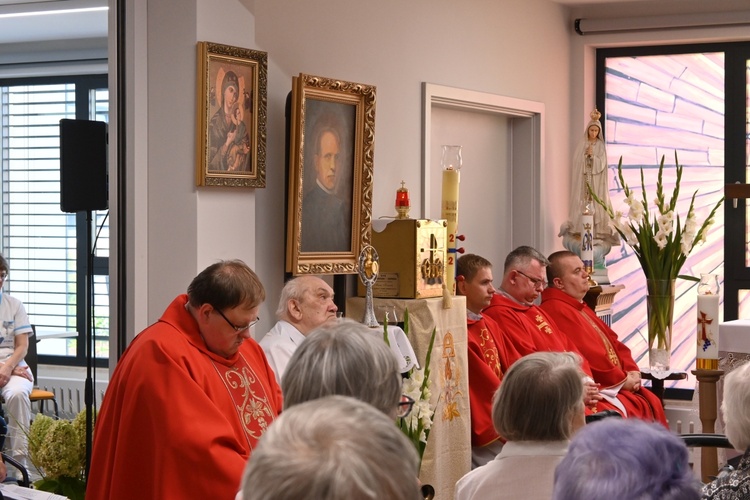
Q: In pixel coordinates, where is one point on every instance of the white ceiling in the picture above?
(78, 24)
(24, 21)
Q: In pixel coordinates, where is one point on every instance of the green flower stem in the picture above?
(414, 427)
(665, 262)
(660, 303)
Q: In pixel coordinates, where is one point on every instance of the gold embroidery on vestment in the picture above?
(451, 376)
(249, 398)
(542, 324)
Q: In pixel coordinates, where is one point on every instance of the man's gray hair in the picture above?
(345, 358)
(334, 448)
(735, 406)
(522, 257)
(294, 289)
(539, 397)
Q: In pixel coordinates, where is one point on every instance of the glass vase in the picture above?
(660, 310)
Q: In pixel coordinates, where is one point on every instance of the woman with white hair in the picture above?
(537, 408)
(333, 448)
(344, 358)
(736, 410)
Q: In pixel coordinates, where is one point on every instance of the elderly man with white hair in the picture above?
(736, 410)
(306, 303)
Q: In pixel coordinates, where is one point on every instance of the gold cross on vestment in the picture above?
(542, 325)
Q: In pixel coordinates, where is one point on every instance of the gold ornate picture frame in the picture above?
(231, 124)
(332, 134)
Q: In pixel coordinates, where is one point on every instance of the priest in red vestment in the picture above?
(528, 327)
(490, 354)
(611, 362)
(189, 398)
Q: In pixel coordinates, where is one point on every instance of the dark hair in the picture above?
(469, 265)
(625, 459)
(4, 264)
(225, 285)
(522, 257)
(554, 269)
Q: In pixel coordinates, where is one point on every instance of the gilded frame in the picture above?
(329, 215)
(231, 124)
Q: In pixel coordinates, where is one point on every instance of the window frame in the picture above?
(84, 84)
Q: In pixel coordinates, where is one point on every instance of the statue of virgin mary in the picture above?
(590, 167)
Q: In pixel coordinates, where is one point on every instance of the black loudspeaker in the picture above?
(83, 165)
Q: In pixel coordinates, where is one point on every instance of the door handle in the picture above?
(736, 191)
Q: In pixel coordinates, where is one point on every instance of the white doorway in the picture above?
(499, 200)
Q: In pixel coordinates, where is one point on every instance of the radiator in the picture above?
(71, 401)
(70, 394)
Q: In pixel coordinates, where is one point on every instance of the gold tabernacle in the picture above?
(412, 258)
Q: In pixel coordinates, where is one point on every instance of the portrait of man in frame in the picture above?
(331, 142)
(329, 171)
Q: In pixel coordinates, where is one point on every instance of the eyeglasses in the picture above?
(534, 281)
(237, 329)
(404, 406)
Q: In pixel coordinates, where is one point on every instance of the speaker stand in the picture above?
(89, 308)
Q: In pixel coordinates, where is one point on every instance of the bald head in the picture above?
(306, 302)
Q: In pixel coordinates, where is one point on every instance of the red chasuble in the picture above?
(178, 421)
(530, 329)
(490, 356)
(609, 359)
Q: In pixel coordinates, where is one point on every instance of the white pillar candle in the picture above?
(707, 353)
(449, 212)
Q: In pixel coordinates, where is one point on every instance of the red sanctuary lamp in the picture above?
(402, 202)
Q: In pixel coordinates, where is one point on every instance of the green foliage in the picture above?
(659, 238)
(416, 426)
(58, 451)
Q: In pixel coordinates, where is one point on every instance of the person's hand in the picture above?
(632, 382)
(23, 371)
(5, 373)
(230, 137)
(3, 471)
(591, 394)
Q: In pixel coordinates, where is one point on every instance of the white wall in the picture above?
(515, 48)
(174, 229)
(524, 49)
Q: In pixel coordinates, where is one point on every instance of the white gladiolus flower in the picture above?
(686, 244)
(661, 239)
(630, 236)
(691, 224)
(418, 377)
(635, 214)
(411, 387)
(666, 222)
(630, 199)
